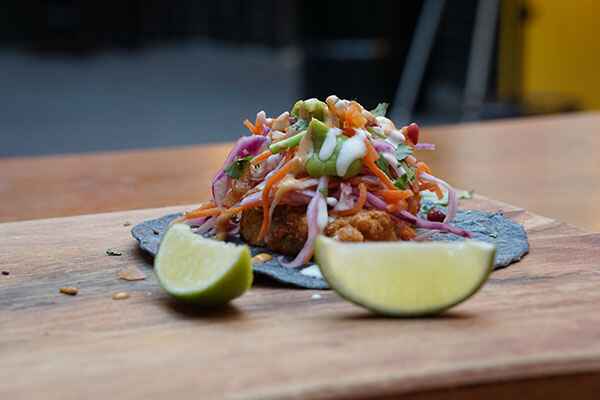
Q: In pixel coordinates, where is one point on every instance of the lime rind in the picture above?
(405, 279)
(200, 270)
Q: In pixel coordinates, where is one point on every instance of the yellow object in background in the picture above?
(561, 51)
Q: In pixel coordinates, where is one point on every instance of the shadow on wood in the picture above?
(194, 311)
(366, 315)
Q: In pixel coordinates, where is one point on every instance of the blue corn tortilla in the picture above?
(509, 238)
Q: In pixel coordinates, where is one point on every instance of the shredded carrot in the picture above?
(201, 207)
(398, 206)
(359, 205)
(204, 205)
(258, 128)
(206, 212)
(243, 207)
(393, 196)
(438, 192)
(369, 161)
(422, 167)
(261, 157)
(289, 154)
(255, 128)
(250, 126)
(353, 117)
(414, 204)
(276, 177)
(432, 187)
(371, 152)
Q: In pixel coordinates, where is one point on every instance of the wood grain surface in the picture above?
(532, 332)
(548, 165)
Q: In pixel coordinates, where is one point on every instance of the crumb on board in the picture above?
(262, 257)
(70, 290)
(315, 296)
(113, 252)
(131, 273)
(120, 296)
(126, 223)
(5, 273)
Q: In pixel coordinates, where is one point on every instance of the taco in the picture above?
(326, 167)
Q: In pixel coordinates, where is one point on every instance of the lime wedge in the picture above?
(200, 270)
(405, 278)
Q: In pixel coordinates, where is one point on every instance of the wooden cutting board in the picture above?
(532, 332)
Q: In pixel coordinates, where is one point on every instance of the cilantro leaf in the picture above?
(382, 164)
(402, 182)
(237, 168)
(403, 151)
(411, 172)
(429, 199)
(380, 110)
(466, 194)
(406, 179)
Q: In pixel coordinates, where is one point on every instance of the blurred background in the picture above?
(90, 76)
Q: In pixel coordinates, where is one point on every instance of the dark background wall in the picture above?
(85, 76)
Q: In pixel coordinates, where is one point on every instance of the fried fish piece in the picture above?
(373, 225)
(287, 233)
(289, 230)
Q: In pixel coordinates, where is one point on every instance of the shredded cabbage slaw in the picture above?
(334, 157)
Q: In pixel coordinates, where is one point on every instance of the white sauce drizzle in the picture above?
(364, 132)
(313, 271)
(322, 216)
(352, 149)
(331, 201)
(386, 124)
(396, 137)
(329, 143)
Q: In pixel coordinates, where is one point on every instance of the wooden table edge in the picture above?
(580, 377)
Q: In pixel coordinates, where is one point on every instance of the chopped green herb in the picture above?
(466, 194)
(406, 179)
(402, 182)
(426, 206)
(237, 168)
(382, 164)
(376, 132)
(403, 151)
(430, 199)
(410, 171)
(380, 110)
(299, 126)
